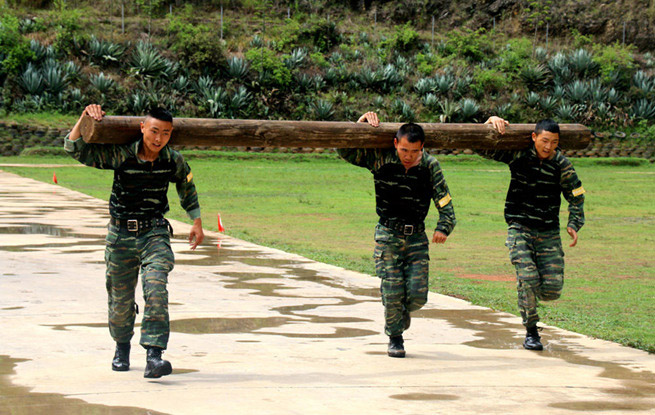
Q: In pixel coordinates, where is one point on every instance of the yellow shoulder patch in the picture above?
(189, 177)
(444, 200)
(577, 192)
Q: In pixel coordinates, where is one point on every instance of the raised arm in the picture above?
(363, 157)
(502, 156)
(101, 156)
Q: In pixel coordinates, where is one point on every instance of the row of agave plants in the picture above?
(132, 78)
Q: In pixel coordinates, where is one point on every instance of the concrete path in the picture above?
(259, 331)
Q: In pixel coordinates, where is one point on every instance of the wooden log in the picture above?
(322, 134)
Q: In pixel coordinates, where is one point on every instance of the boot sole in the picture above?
(533, 348)
(163, 370)
(396, 354)
(120, 368)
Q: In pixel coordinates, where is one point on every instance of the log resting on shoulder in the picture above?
(324, 134)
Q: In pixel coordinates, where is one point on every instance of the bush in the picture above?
(270, 68)
(475, 46)
(196, 45)
(69, 34)
(320, 34)
(13, 47)
(404, 40)
(615, 62)
(488, 81)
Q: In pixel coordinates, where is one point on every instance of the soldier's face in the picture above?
(545, 143)
(409, 153)
(156, 134)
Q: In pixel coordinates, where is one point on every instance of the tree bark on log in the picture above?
(323, 134)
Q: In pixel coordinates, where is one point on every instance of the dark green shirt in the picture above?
(140, 187)
(533, 197)
(404, 195)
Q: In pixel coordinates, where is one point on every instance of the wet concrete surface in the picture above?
(257, 330)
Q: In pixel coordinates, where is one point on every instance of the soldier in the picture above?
(139, 235)
(406, 178)
(539, 174)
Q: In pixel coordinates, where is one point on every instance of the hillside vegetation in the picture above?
(332, 60)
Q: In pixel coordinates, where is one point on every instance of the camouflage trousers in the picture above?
(402, 263)
(127, 253)
(539, 261)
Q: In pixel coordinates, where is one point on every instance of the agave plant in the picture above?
(602, 112)
(578, 91)
(462, 85)
(425, 86)
(597, 94)
(643, 82)
(336, 58)
(540, 54)
(431, 101)
(148, 63)
(38, 49)
(558, 92)
(319, 82)
(378, 102)
(296, 59)
(368, 78)
(72, 70)
(468, 109)
(534, 77)
(407, 114)
(205, 87)
(532, 99)
(217, 102)
(390, 78)
(449, 109)
(397, 105)
(649, 59)
(548, 104)
(444, 83)
(323, 110)
(104, 51)
(239, 102)
(643, 109)
(582, 62)
(237, 68)
(613, 97)
(31, 80)
(503, 110)
(304, 82)
(181, 84)
(559, 68)
(55, 79)
(331, 76)
(138, 102)
(102, 83)
(566, 112)
(257, 42)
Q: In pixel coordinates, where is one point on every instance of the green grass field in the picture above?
(323, 208)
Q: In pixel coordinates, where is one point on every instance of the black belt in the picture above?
(402, 227)
(136, 225)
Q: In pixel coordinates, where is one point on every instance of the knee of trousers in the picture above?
(392, 290)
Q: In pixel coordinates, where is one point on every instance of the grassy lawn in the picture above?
(323, 208)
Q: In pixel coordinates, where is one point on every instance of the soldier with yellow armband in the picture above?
(407, 180)
(540, 174)
(139, 236)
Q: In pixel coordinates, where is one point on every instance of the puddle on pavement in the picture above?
(499, 334)
(12, 308)
(184, 371)
(424, 397)
(19, 400)
(225, 325)
(601, 406)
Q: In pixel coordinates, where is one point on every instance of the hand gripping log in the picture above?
(323, 134)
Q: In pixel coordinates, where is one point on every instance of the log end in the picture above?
(87, 128)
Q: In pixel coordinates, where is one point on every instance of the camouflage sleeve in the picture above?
(442, 200)
(573, 193)
(369, 158)
(186, 188)
(503, 156)
(100, 156)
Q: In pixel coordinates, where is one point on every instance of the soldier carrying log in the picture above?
(138, 235)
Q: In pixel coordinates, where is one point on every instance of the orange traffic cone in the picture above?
(54, 177)
(220, 224)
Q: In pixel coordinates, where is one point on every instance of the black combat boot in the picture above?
(121, 362)
(532, 339)
(156, 367)
(407, 319)
(396, 346)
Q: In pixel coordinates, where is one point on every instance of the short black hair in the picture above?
(412, 132)
(161, 114)
(546, 125)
